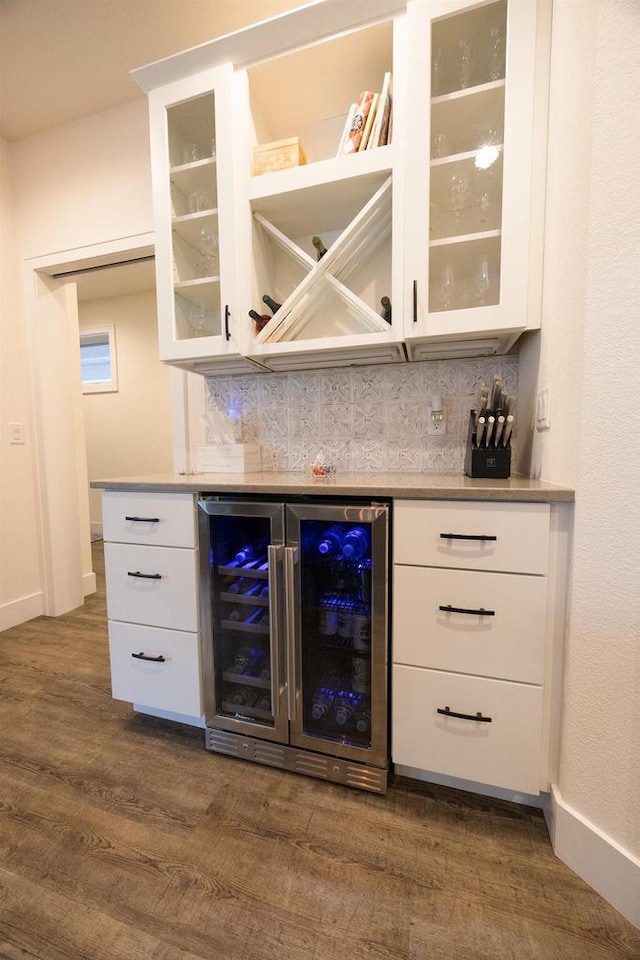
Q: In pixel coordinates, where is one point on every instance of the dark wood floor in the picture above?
(121, 838)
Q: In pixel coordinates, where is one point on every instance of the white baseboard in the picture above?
(611, 870)
(88, 584)
(19, 611)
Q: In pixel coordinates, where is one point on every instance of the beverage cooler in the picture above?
(294, 612)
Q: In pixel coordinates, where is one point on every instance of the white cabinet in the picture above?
(474, 173)
(193, 190)
(444, 219)
(151, 569)
(330, 309)
(470, 642)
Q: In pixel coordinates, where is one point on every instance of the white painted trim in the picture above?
(167, 715)
(19, 611)
(471, 786)
(605, 865)
(89, 584)
(55, 554)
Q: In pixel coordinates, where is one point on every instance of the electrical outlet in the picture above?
(16, 433)
(543, 409)
(435, 428)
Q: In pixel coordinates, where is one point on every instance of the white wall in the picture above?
(128, 433)
(589, 353)
(20, 565)
(84, 182)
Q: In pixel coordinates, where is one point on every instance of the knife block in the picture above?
(490, 463)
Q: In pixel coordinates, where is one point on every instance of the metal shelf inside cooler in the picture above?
(246, 680)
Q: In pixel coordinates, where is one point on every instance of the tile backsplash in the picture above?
(360, 418)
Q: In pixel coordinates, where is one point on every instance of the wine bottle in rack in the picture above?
(260, 319)
(273, 305)
(385, 313)
(320, 247)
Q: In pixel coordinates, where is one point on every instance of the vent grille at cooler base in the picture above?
(316, 765)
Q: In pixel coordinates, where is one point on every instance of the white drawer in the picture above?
(154, 585)
(168, 519)
(510, 537)
(507, 641)
(171, 684)
(505, 752)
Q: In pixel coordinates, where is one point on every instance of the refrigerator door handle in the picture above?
(274, 555)
(290, 561)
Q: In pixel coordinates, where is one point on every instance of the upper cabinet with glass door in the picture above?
(336, 298)
(192, 157)
(472, 193)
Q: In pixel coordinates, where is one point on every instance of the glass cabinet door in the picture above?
(340, 654)
(193, 198)
(241, 628)
(470, 153)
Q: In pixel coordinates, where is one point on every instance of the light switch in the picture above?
(543, 410)
(16, 433)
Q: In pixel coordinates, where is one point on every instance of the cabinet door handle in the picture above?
(144, 576)
(227, 335)
(143, 656)
(144, 519)
(415, 301)
(467, 536)
(478, 718)
(480, 612)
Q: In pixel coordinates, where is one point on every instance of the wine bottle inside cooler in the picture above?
(355, 543)
(250, 551)
(331, 541)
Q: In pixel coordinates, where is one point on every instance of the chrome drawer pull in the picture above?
(464, 716)
(467, 536)
(143, 656)
(481, 612)
(144, 576)
(144, 519)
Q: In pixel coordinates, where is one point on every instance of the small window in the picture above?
(98, 360)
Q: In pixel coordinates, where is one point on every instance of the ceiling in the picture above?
(65, 59)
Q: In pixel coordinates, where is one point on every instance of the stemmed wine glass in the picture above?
(482, 282)
(208, 252)
(458, 192)
(447, 286)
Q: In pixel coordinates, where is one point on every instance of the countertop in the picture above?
(420, 486)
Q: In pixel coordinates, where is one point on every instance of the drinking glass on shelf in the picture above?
(458, 192)
(447, 286)
(439, 146)
(485, 205)
(191, 152)
(482, 282)
(198, 319)
(437, 72)
(496, 53)
(208, 253)
(465, 62)
(212, 147)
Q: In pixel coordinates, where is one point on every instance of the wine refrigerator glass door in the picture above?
(336, 574)
(241, 555)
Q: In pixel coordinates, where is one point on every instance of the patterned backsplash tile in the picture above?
(360, 418)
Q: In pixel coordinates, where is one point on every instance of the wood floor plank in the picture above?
(122, 838)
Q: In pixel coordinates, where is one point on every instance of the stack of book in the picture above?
(368, 123)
